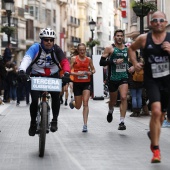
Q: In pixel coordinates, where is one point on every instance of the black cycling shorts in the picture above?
(114, 85)
(79, 87)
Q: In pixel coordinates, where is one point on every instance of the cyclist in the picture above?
(45, 59)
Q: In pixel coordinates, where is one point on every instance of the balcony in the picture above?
(99, 29)
(74, 22)
(61, 2)
(72, 41)
(99, 1)
(99, 14)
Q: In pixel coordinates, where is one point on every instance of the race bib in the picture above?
(121, 67)
(160, 69)
(82, 77)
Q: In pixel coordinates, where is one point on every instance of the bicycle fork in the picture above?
(39, 118)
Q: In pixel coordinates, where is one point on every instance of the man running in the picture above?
(115, 56)
(156, 53)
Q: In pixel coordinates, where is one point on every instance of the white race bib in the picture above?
(121, 67)
(160, 69)
(82, 77)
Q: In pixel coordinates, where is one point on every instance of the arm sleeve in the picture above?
(104, 62)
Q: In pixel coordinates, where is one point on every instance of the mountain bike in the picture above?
(44, 84)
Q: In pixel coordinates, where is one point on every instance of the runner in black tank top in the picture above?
(156, 53)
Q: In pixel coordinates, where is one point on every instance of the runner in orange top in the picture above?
(83, 69)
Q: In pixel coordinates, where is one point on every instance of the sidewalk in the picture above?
(104, 147)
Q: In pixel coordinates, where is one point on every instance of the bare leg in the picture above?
(86, 96)
(155, 123)
(123, 89)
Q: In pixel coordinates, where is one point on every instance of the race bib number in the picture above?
(82, 77)
(160, 69)
(121, 67)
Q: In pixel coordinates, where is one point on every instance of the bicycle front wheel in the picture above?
(43, 127)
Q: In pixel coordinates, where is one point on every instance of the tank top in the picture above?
(119, 71)
(157, 62)
(80, 66)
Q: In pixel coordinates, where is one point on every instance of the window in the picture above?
(36, 13)
(48, 17)
(54, 16)
(109, 36)
(31, 10)
(43, 15)
(37, 31)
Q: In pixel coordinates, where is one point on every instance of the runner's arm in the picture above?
(104, 58)
(92, 69)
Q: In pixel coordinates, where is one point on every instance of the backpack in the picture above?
(138, 76)
(38, 56)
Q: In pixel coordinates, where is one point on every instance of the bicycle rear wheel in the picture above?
(43, 127)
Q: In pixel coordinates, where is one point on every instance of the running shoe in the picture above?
(32, 129)
(71, 104)
(61, 100)
(109, 117)
(84, 128)
(53, 127)
(122, 126)
(166, 124)
(156, 156)
(65, 103)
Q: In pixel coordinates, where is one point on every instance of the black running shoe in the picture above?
(122, 126)
(32, 129)
(53, 127)
(109, 117)
(65, 103)
(61, 100)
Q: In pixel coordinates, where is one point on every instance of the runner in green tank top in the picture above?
(119, 71)
(116, 58)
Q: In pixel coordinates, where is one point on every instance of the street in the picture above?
(102, 148)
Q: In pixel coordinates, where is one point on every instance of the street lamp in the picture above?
(92, 25)
(141, 20)
(9, 5)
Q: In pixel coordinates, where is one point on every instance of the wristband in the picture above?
(114, 61)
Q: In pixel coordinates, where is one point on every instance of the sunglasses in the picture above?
(47, 40)
(156, 20)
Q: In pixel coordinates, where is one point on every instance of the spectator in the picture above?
(7, 56)
(12, 76)
(3, 73)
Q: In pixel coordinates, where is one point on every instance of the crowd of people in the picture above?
(144, 77)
